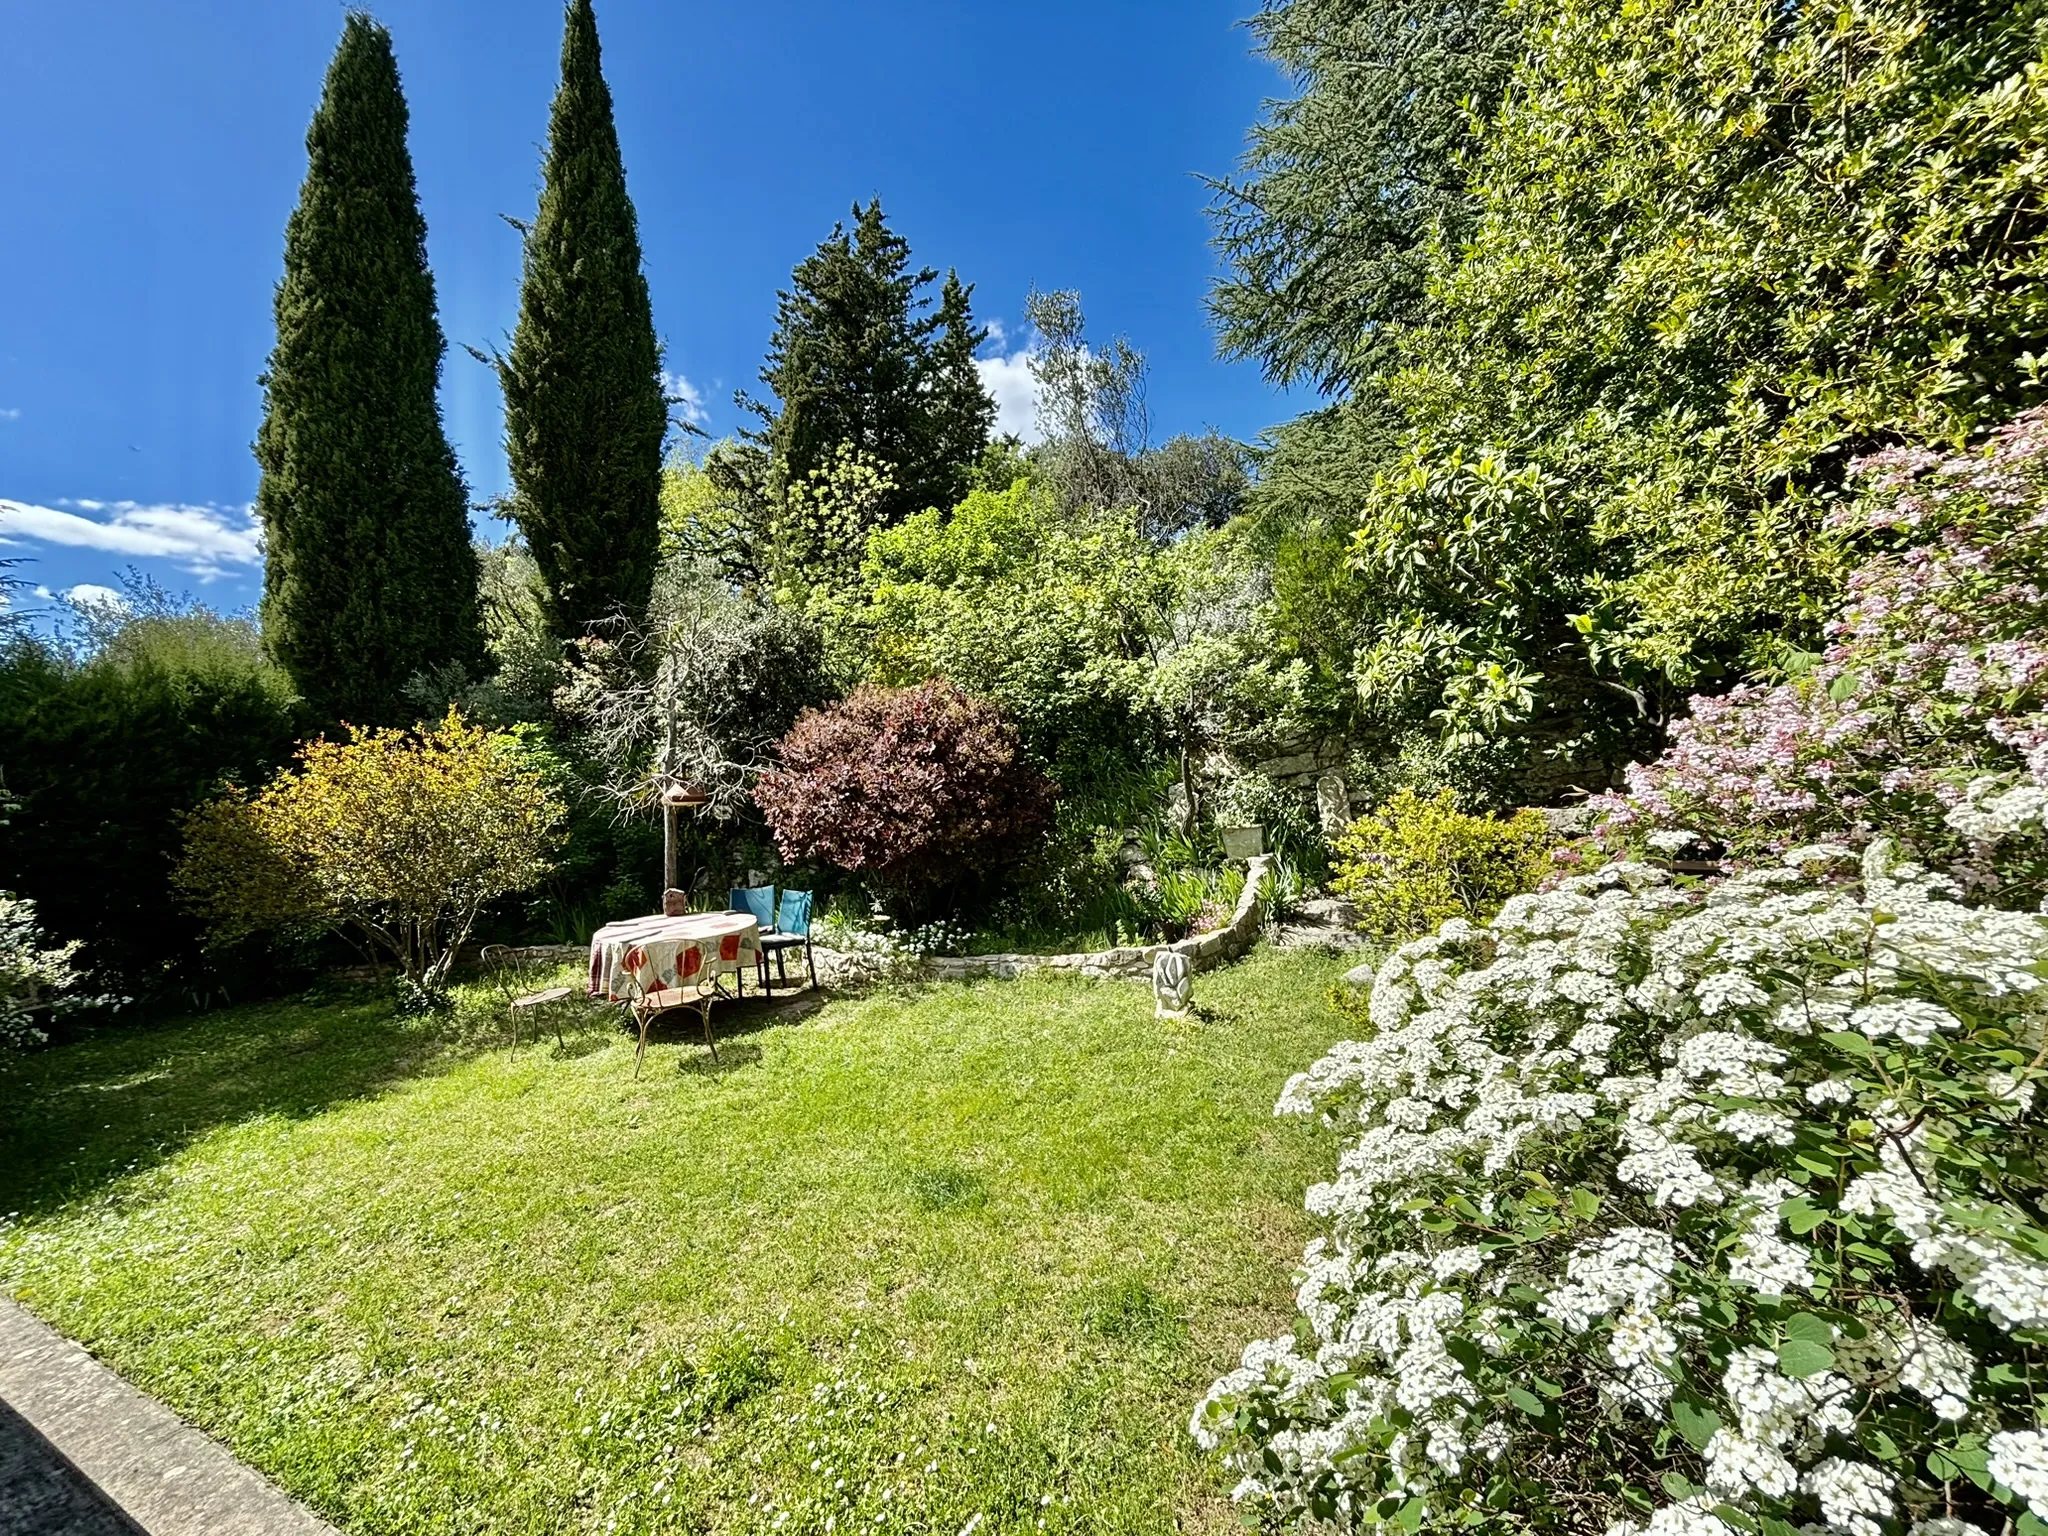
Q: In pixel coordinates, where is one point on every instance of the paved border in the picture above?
(41, 1493)
(171, 1479)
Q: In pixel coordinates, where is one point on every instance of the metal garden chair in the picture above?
(792, 928)
(500, 963)
(647, 1003)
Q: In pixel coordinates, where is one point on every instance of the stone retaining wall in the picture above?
(1203, 949)
(1217, 947)
(1300, 763)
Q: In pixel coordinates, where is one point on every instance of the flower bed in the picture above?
(1926, 716)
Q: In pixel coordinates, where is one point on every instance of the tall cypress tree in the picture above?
(585, 414)
(959, 411)
(369, 575)
(859, 357)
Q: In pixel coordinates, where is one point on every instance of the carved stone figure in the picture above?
(1173, 984)
(1333, 804)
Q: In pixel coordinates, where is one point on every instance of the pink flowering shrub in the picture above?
(1926, 716)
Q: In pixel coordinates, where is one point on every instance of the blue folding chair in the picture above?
(759, 902)
(792, 927)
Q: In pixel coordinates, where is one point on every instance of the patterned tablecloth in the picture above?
(671, 951)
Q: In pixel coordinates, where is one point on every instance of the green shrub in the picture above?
(1016, 602)
(396, 838)
(1414, 863)
(106, 753)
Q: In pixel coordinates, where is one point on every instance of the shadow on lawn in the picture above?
(78, 1117)
(733, 1021)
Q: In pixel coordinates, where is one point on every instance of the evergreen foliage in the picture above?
(857, 360)
(1022, 606)
(1712, 252)
(960, 414)
(369, 576)
(585, 413)
(1327, 236)
(104, 755)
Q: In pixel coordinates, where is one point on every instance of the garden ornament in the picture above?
(1333, 804)
(1173, 984)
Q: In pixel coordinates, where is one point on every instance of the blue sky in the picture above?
(154, 151)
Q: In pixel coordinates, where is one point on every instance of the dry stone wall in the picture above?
(1203, 950)
(1217, 947)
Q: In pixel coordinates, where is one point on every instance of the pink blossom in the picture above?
(1935, 675)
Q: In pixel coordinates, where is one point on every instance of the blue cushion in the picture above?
(756, 900)
(794, 915)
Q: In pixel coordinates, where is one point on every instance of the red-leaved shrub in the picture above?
(910, 787)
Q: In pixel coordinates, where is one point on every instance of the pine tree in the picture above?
(1326, 239)
(370, 576)
(857, 362)
(585, 413)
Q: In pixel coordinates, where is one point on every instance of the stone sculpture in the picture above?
(1173, 984)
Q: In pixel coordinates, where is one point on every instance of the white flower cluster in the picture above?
(2019, 1459)
(1995, 808)
(1654, 1061)
(1989, 1269)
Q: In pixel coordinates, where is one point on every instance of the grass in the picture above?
(954, 1251)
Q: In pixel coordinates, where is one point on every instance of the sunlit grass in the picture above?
(955, 1251)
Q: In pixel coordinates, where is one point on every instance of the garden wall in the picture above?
(1217, 947)
(1203, 949)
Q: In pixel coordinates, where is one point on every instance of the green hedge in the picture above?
(102, 757)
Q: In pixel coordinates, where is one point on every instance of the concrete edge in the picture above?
(170, 1478)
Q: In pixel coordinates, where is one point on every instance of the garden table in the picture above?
(654, 964)
(666, 952)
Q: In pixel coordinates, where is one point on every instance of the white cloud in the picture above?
(687, 396)
(204, 541)
(11, 413)
(1008, 379)
(87, 595)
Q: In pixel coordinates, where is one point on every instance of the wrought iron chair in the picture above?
(500, 963)
(648, 1002)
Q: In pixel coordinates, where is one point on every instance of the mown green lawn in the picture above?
(918, 1257)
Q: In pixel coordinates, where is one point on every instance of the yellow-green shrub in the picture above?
(399, 838)
(1413, 863)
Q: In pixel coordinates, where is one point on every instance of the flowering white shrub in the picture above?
(1695, 1209)
(35, 980)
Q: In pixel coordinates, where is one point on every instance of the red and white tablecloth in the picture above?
(671, 951)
